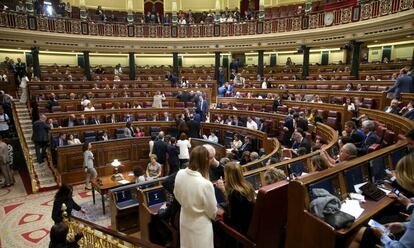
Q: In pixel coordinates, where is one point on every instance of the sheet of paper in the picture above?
(352, 207)
(386, 191)
(357, 186)
(123, 181)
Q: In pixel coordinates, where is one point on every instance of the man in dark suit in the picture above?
(20, 68)
(40, 137)
(393, 108)
(82, 120)
(220, 79)
(302, 122)
(263, 126)
(247, 146)
(129, 118)
(193, 128)
(173, 151)
(299, 141)
(403, 84)
(52, 102)
(184, 97)
(58, 142)
(166, 117)
(71, 121)
(202, 107)
(154, 117)
(371, 138)
(409, 110)
(160, 149)
(289, 127)
(94, 120)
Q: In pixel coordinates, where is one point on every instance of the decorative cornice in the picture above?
(391, 26)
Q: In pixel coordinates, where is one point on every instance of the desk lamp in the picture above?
(116, 174)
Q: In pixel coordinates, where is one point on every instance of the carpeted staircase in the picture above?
(44, 176)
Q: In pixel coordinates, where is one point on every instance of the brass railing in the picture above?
(97, 236)
(25, 149)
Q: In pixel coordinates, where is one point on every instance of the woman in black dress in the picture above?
(240, 198)
(64, 196)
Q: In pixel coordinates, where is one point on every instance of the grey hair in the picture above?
(350, 148)
(370, 125)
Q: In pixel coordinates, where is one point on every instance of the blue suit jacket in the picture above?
(404, 84)
(371, 139)
(40, 131)
(409, 114)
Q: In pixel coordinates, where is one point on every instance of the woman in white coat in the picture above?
(23, 86)
(198, 202)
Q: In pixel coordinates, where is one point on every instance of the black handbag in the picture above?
(340, 220)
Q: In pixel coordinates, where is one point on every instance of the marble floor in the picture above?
(25, 219)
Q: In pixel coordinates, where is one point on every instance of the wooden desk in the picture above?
(107, 184)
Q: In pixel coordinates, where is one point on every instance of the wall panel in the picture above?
(60, 59)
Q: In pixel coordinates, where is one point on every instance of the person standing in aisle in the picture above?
(88, 164)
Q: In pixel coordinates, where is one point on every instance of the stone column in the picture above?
(305, 64)
(131, 65)
(356, 55)
(36, 62)
(260, 63)
(175, 64)
(87, 65)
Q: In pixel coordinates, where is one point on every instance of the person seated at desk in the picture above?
(299, 141)
(319, 163)
(393, 108)
(240, 198)
(139, 132)
(368, 126)
(273, 175)
(129, 130)
(408, 111)
(153, 168)
(72, 140)
(139, 174)
(348, 152)
(354, 135)
(368, 237)
(236, 143)
(212, 137)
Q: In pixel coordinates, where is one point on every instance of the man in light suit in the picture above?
(158, 98)
(404, 84)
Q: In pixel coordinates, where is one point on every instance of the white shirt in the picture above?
(184, 145)
(351, 107)
(213, 138)
(251, 125)
(89, 109)
(264, 85)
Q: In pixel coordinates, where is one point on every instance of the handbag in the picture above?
(340, 220)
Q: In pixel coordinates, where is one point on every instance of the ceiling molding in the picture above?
(392, 26)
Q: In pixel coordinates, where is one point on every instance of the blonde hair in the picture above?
(234, 180)
(405, 172)
(154, 156)
(199, 160)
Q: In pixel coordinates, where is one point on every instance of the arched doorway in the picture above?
(154, 6)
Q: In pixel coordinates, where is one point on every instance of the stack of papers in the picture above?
(123, 181)
(352, 207)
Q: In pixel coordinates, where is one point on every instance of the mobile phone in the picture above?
(396, 191)
(388, 171)
(373, 223)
